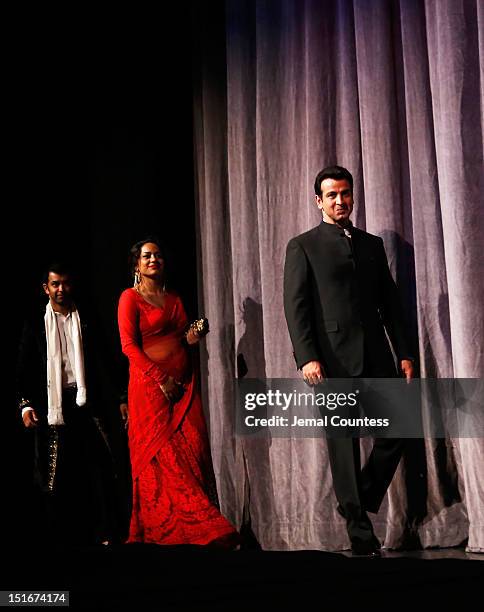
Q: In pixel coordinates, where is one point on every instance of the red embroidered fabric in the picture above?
(174, 495)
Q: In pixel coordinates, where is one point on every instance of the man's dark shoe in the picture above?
(370, 554)
(360, 548)
(375, 541)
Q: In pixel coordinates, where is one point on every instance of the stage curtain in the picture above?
(392, 90)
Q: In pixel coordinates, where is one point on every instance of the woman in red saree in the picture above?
(174, 494)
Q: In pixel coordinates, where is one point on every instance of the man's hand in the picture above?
(173, 390)
(313, 372)
(30, 418)
(123, 409)
(406, 366)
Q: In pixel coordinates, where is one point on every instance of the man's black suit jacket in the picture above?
(339, 299)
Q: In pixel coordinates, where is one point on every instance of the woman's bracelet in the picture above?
(24, 403)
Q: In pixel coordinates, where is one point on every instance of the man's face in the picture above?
(336, 201)
(59, 289)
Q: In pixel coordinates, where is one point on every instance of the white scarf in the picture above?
(54, 364)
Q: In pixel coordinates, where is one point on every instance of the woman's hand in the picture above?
(30, 418)
(197, 330)
(192, 337)
(173, 390)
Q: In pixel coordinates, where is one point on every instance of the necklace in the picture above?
(155, 299)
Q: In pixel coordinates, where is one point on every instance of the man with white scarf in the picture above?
(72, 463)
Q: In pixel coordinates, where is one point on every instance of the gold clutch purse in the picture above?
(200, 327)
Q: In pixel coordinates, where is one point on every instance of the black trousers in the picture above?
(360, 490)
(74, 473)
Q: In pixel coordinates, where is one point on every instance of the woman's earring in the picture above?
(137, 278)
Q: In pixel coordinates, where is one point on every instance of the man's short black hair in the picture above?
(57, 267)
(337, 173)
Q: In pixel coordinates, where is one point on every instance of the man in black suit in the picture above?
(339, 300)
(59, 393)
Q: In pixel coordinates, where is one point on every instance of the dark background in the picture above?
(100, 155)
(103, 146)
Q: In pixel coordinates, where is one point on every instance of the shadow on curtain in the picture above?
(392, 91)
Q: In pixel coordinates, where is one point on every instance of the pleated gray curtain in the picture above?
(392, 90)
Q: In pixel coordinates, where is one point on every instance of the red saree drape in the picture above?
(174, 496)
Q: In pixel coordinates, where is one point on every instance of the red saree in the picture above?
(174, 495)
